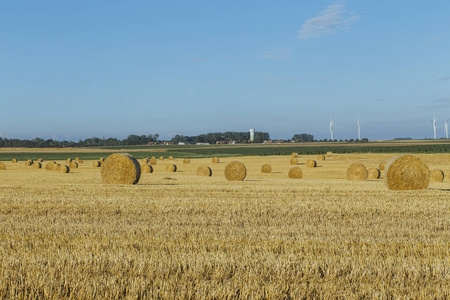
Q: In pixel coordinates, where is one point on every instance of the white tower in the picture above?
(434, 125)
(359, 128)
(252, 134)
(446, 129)
(331, 129)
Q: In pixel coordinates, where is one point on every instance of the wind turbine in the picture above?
(446, 129)
(359, 128)
(434, 125)
(331, 128)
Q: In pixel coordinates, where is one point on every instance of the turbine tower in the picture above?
(434, 125)
(331, 128)
(446, 129)
(359, 128)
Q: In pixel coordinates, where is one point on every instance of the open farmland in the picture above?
(179, 235)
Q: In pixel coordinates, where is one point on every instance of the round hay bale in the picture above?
(40, 160)
(37, 165)
(49, 166)
(146, 168)
(63, 169)
(73, 165)
(406, 172)
(170, 157)
(68, 161)
(320, 157)
(357, 171)
(437, 175)
(28, 162)
(171, 168)
(373, 173)
(186, 161)
(145, 161)
(79, 160)
(101, 159)
(329, 153)
(14, 161)
(294, 154)
(2, 166)
(235, 171)
(382, 165)
(204, 171)
(120, 168)
(294, 161)
(96, 164)
(266, 168)
(215, 160)
(161, 158)
(310, 163)
(153, 161)
(295, 172)
(55, 167)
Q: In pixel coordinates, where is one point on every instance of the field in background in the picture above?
(177, 235)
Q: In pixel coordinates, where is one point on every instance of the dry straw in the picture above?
(382, 165)
(96, 164)
(2, 166)
(235, 171)
(79, 160)
(437, 175)
(120, 168)
(101, 159)
(153, 161)
(161, 158)
(49, 166)
(55, 167)
(310, 163)
(37, 165)
(146, 168)
(294, 154)
(373, 173)
(186, 161)
(215, 160)
(320, 157)
(204, 171)
(14, 161)
(329, 153)
(73, 165)
(266, 168)
(28, 162)
(294, 161)
(145, 161)
(40, 160)
(295, 172)
(171, 168)
(357, 171)
(170, 157)
(407, 172)
(68, 161)
(63, 169)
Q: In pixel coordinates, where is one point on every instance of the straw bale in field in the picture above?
(294, 161)
(101, 159)
(161, 158)
(310, 163)
(49, 166)
(295, 172)
(382, 165)
(204, 171)
(266, 168)
(37, 165)
(73, 165)
(153, 161)
(146, 168)
(79, 160)
(14, 160)
(28, 162)
(235, 171)
(320, 157)
(2, 166)
(120, 168)
(171, 168)
(68, 161)
(215, 160)
(171, 157)
(96, 164)
(55, 167)
(373, 173)
(294, 155)
(145, 161)
(357, 171)
(406, 172)
(40, 160)
(63, 169)
(437, 175)
(186, 161)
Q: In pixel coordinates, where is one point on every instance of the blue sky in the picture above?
(80, 69)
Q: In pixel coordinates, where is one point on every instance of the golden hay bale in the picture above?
(49, 166)
(437, 175)
(320, 157)
(186, 161)
(357, 171)
(120, 168)
(40, 160)
(382, 165)
(96, 164)
(146, 168)
(14, 161)
(294, 154)
(215, 160)
(406, 172)
(171, 168)
(329, 153)
(295, 172)
(266, 168)
(310, 163)
(28, 162)
(294, 161)
(204, 171)
(170, 157)
(153, 161)
(37, 165)
(63, 169)
(235, 171)
(373, 173)
(79, 160)
(73, 165)
(2, 166)
(69, 160)
(153, 157)
(145, 161)
(161, 158)
(55, 167)
(101, 159)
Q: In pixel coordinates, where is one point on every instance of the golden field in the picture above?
(178, 235)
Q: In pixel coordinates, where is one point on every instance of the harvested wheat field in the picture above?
(200, 237)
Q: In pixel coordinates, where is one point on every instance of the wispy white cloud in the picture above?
(442, 79)
(279, 53)
(332, 20)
